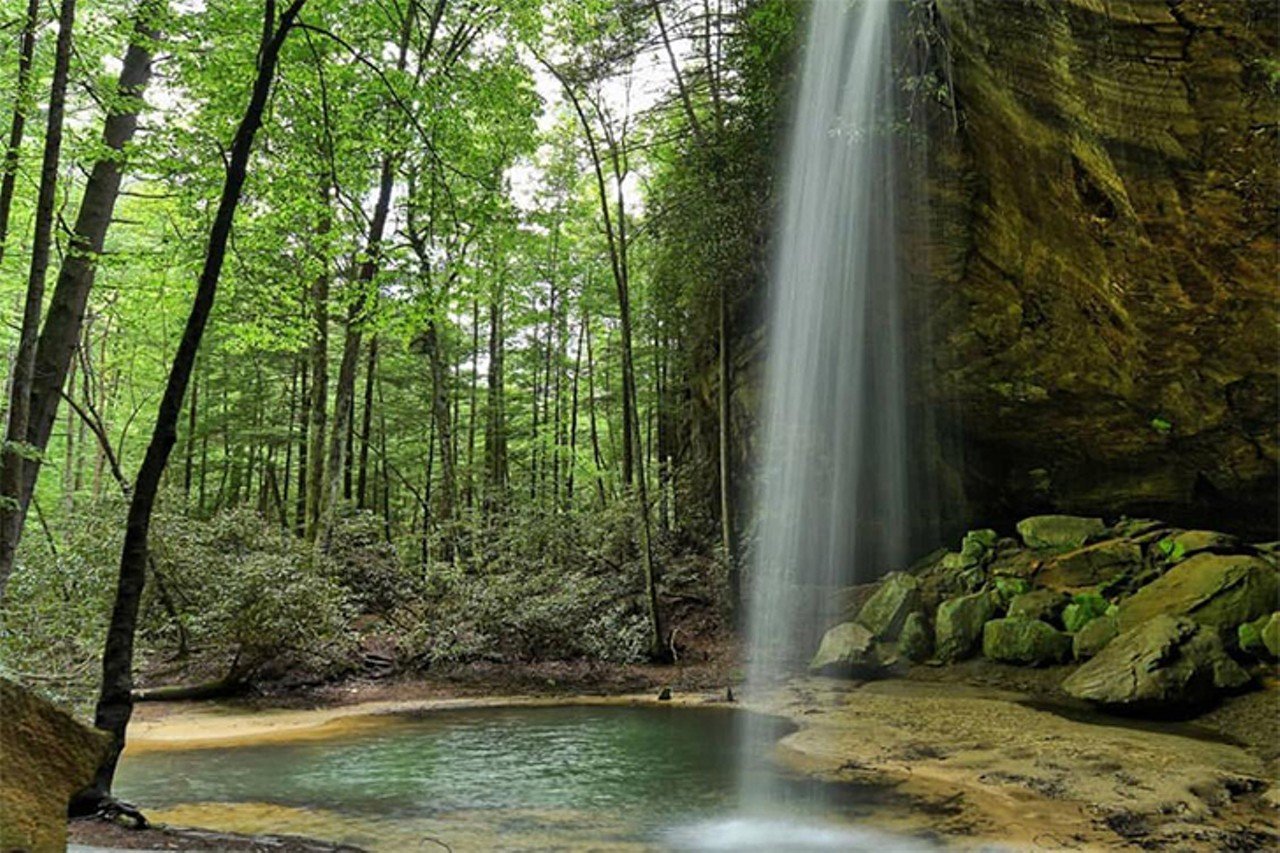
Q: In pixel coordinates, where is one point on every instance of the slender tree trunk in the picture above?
(571, 465)
(304, 438)
(348, 455)
(26, 50)
(726, 437)
(471, 420)
(65, 315)
(314, 433)
(13, 455)
(361, 305)
(440, 417)
(115, 702)
(287, 475)
(366, 422)
(189, 466)
(591, 411)
(495, 433)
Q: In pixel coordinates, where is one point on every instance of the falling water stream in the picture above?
(833, 498)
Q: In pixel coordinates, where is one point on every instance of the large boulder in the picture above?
(45, 758)
(886, 611)
(1177, 546)
(916, 640)
(958, 625)
(1166, 662)
(1097, 565)
(1042, 604)
(1027, 641)
(1222, 591)
(848, 649)
(1059, 532)
(1093, 637)
(1261, 637)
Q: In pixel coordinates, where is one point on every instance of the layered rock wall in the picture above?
(1102, 276)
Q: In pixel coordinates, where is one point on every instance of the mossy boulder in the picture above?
(1261, 637)
(1042, 604)
(849, 649)
(886, 611)
(1059, 532)
(958, 626)
(1102, 564)
(1025, 641)
(1218, 590)
(1094, 636)
(1083, 609)
(915, 643)
(1165, 662)
(47, 756)
(1187, 543)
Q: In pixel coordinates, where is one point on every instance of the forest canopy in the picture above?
(474, 275)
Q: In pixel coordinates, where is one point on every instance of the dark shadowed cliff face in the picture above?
(1103, 279)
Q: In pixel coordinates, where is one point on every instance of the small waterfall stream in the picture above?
(833, 498)
(832, 505)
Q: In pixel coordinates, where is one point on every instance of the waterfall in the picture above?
(832, 502)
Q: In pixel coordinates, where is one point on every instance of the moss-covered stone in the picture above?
(886, 610)
(1083, 609)
(958, 626)
(1253, 636)
(1221, 591)
(915, 643)
(1094, 636)
(45, 758)
(1102, 564)
(847, 649)
(1026, 641)
(1164, 662)
(1188, 543)
(1042, 604)
(1059, 532)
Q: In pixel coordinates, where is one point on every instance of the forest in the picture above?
(422, 349)
(452, 368)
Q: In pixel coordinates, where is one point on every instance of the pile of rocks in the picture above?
(1155, 615)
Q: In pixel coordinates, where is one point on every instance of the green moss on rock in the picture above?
(1025, 641)
(1221, 591)
(958, 626)
(1059, 532)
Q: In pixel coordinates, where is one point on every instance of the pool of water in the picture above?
(514, 778)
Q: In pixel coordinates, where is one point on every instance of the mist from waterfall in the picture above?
(832, 500)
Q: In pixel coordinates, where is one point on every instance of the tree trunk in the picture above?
(13, 458)
(726, 436)
(366, 422)
(26, 50)
(65, 315)
(189, 463)
(591, 411)
(115, 702)
(471, 420)
(304, 438)
(495, 432)
(313, 456)
(440, 417)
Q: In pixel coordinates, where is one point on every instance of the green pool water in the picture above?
(516, 778)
